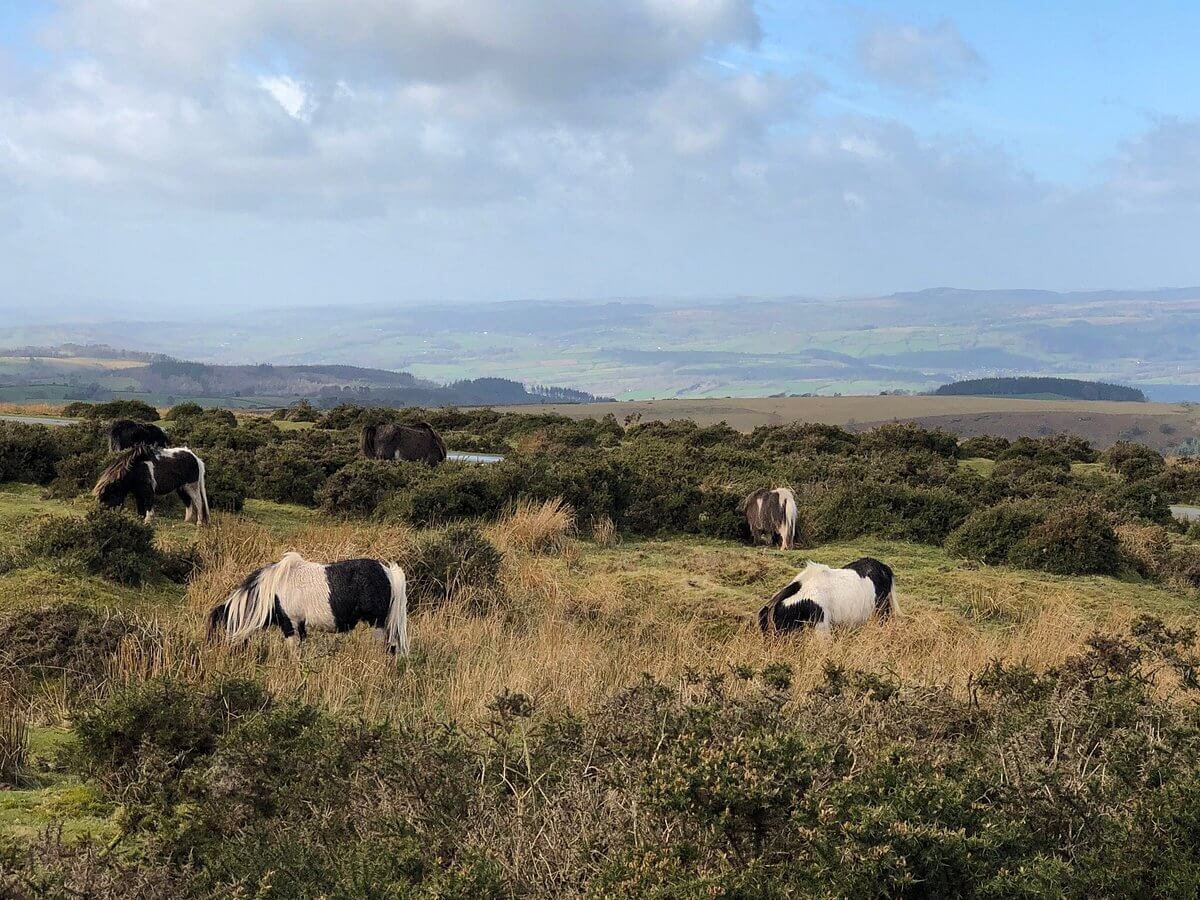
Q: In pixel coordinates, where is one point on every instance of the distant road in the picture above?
(486, 459)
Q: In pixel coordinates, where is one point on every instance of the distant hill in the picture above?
(91, 372)
(1041, 389)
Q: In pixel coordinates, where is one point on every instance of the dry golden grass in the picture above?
(580, 620)
(534, 527)
(31, 409)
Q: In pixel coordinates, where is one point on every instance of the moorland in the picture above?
(589, 708)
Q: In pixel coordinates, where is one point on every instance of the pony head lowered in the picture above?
(116, 482)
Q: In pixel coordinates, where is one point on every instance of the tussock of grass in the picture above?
(535, 527)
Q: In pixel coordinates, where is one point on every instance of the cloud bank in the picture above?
(339, 150)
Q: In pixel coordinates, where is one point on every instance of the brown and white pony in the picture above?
(771, 514)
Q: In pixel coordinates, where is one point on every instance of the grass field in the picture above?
(578, 622)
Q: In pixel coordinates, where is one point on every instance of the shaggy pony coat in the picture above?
(771, 514)
(824, 598)
(414, 443)
(147, 472)
(295, 595)
(124, 434)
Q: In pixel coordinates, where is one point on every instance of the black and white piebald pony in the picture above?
(126, 433)
(824, 598)
(771, 513)
(296, 595)
(146, 472)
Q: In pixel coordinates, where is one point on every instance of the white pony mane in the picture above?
(249, 609)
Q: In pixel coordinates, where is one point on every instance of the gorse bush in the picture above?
(887, 510)
(362, 486)
(1133, 461)
(990, 535)
(138, 410)
(726, 785)
(64, 639)
(181, 411)
(982, 446)
(1076, 540)
(456, 561)
(106, 542)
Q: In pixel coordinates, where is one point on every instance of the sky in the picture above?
(181, 155)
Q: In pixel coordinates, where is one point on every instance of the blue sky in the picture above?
(252, 153)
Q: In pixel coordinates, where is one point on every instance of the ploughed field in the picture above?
(589, 707)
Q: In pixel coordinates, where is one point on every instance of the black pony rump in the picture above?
(881, 576)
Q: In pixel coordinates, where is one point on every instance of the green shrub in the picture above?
(228, 475)
(62, 639)
(1075, 448)
(1037, 453)
(185, 410)
(166, 720)
(288, 472)
(1076, 540)
(1133, 461)
(719, 515)
(895, 511)
(989, 535)
(984, 446)
(138, 410)
(106, 542)
(300, 411)
(75, 474)
(450, 492)
(897, 437)
(28, 453)
(810, 438)
(1138, 500)
(456, 559)
(360, 487)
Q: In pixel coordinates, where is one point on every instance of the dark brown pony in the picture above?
(414, 443)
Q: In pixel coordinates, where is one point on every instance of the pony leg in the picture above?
(188, 506)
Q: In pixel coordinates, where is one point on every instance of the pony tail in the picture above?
(437, 438)
(203, 493)
(396, 626)
(789, 519)
(367, 440)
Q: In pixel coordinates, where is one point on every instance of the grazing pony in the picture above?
(771, 513)
(148, 471)
(126, 433)
(414, 443)
(296, 594)
(822, 598)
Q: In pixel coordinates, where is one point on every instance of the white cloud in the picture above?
(927, 61)
(290, 94)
